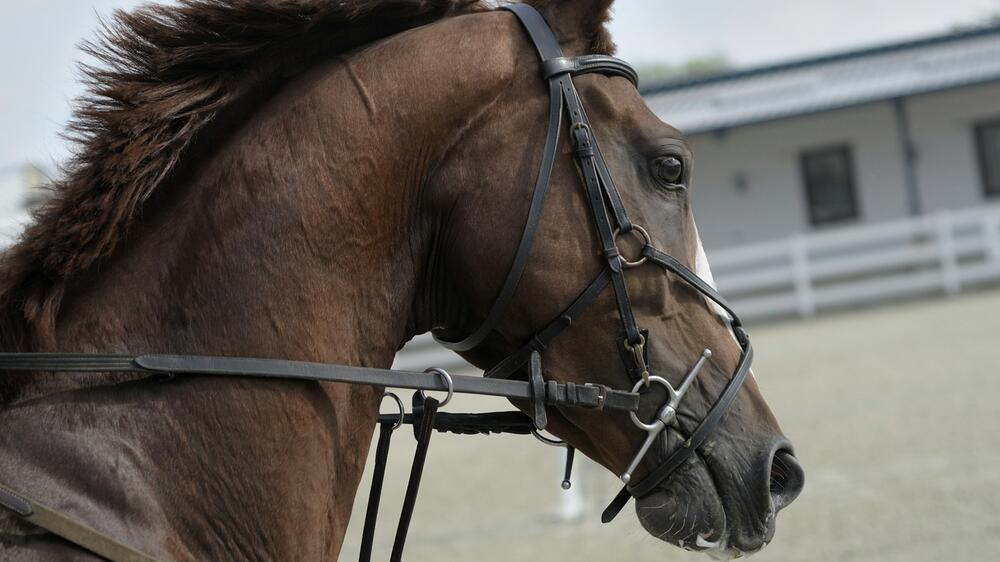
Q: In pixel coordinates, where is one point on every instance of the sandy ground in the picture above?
(895, 414)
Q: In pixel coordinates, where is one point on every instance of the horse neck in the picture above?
(309, 232)
(261, 251)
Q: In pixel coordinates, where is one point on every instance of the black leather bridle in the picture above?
(611, 222)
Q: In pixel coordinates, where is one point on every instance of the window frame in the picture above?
(979, 129)
(847, 152)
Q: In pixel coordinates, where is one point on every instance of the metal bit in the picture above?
(666, 417)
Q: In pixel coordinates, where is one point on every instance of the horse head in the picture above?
(616, 229)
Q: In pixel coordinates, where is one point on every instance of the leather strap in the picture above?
(707, 426)
(538, 29)
(714, 416)
(68, 528)
(586, 152)
(596, 397)
(538, 392)
(424, 433)
(589, 64)
(541, 340)
(531, 223)
(558, 70)
(375, 495)
(673, 265)
(515, 423)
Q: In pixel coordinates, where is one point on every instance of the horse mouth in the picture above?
(687, 510)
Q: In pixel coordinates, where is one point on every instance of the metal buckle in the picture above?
(638, 352)
(644, 238)
(602, 394)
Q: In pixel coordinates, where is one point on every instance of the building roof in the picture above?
(800, 87)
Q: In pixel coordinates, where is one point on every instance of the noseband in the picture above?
(612, 223)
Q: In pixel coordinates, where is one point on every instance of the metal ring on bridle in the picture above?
(670, 391)
(447, 380)
(646, 241)
(402, 411)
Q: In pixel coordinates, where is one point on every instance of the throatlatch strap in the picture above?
(531, 223)
(70, 529)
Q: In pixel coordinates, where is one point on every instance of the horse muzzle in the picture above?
(723, 501)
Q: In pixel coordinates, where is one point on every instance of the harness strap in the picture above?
(531, 223)
(68, 528)
(515, 423)
(423, 434)
(375, 495)
(589, 64)
(544, 337)
(538, 29)
(558, 71)
(596, 397)
(715, 414)
(673, 265)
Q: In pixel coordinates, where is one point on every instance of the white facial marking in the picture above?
(704, 270)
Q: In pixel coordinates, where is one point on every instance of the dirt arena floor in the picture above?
(894, 411)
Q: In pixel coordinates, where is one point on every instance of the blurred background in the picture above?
(847, 184)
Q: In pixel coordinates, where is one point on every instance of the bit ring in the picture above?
(647, 427)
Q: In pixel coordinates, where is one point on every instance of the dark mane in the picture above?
(164, 74)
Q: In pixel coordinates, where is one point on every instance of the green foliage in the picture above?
(705, 65)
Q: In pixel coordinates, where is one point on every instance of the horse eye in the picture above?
(669, 169)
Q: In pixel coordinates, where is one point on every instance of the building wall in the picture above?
(943, 126)
(773, 204)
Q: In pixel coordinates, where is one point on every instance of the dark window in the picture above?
(988, 143)
(829, 181)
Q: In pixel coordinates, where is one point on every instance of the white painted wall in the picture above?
(774, 204)
(943, 126)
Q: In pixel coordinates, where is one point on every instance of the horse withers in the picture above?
(322, 181)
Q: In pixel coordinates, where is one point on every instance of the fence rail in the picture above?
(943, 253)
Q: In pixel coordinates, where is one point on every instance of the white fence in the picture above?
(801, 276)
(942, 253)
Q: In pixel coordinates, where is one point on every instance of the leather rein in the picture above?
(611, 222)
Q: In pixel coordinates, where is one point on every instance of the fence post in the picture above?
(991, 234)
(948, 255)
(804, 297)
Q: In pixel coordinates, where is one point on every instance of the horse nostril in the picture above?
(787, 479)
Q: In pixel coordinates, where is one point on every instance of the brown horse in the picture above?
(318, 180)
